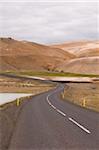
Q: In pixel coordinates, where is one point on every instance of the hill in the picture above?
(90, 52)
(24, 55)
(74, 57)
(86, 65)
(87, 57)
(81, 48)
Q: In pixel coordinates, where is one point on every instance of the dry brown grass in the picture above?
(15, 85)
(80, 92)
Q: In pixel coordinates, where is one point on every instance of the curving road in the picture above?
(48, 123)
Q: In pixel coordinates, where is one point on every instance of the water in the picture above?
(8, 97)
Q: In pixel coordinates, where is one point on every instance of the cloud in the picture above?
(49, 22)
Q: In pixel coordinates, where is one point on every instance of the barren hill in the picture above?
(86, 65)
(88, 52)
(87, 57)
(23, 55)
(81, 48)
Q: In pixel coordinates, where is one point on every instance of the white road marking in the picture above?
(63, 114)
(53, 106)
(59, 111)
(48, 97)
(48, 102)
(79, 125)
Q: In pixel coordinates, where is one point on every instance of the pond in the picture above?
(8, 97)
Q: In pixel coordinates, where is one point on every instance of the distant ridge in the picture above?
(80, 48)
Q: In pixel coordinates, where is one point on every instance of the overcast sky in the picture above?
(49, 22)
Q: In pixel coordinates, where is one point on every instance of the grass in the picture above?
(49, 74)
(14, 85)
(83, 94)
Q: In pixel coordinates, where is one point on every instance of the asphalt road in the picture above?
(48, 123)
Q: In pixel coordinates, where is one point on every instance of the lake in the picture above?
(8, 97)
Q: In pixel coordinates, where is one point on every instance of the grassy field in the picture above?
(83, 94)
(50, 74)
(17, 85)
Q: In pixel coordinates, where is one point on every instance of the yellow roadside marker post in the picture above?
(84, 102)
(63, 94)
(18, 102)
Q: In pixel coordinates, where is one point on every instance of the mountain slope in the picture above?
(88, 52)
(81, 48)
(86, 65)
(20, 55)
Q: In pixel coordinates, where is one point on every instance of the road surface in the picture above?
(48, 123)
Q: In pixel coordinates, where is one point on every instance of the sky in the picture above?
(49, 22)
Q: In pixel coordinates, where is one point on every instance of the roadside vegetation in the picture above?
(83, 94)
(17, 85)
(49, 74)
